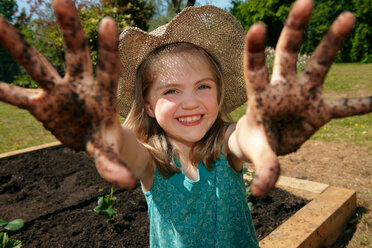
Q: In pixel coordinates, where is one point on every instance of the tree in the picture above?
(357, 47)
(164, 11)
(178, 4)
(174, 6)
(360, 42)
(8, 8)
(137, 12)
(48, 39)
(39, 28)
(9, 68)
(271, 12)
(126, 13)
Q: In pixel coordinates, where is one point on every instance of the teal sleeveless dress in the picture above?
(210, 212)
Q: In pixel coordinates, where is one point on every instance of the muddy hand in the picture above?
(282, 114)
(78, 109)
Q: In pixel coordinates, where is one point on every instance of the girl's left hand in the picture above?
(282, 114)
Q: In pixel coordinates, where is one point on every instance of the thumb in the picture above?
(255, 146)
(111, 168)
(266, 175)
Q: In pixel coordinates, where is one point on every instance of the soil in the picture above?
(55, 191)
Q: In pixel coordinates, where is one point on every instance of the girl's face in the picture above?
(183, 97)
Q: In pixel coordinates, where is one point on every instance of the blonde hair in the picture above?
(149, 132)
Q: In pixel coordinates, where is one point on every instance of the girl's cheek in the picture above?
(165, 105)
(210, 97)
(168, 101)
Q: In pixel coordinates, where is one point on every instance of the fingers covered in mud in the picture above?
(326, 51)
(350, 106)
(108, 59)
(255, 44)
(76, 45)
(15, 95)
(36, 65)
(290, 40)
(255, 70)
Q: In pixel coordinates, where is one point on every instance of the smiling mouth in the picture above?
(190, 119)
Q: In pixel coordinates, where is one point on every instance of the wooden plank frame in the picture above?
(317, 224)
(30, 149)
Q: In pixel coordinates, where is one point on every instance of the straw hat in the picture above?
(208, 27)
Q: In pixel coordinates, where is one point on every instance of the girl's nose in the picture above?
(190, 101)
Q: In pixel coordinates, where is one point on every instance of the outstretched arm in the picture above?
(78, 109)
(284, 112)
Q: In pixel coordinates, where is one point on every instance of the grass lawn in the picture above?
(349, 80)
(18, 129)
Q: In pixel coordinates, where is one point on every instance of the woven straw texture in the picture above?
(208, 27)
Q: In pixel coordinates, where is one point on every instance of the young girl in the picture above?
(176, 140)
(195, 196)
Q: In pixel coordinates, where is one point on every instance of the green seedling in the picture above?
(248, 183)
(14, 225)
(104, 207)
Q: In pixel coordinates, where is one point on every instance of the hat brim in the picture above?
(209, 27)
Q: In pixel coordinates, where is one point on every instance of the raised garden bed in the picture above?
(320, 222)
(55, 190)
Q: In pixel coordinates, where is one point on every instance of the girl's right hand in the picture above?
(78, 109)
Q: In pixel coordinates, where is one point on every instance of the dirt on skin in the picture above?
(55, 191)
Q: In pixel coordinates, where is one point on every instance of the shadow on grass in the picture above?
(348, 233)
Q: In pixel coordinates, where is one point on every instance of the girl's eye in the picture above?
(204, 86)
(170, 92)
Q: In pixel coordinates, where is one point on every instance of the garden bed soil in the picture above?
(55, 191)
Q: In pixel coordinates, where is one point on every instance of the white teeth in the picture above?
(190, 119)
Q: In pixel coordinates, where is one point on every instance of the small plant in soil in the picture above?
(13, 226)
(104, 207)
(248, 180)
